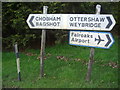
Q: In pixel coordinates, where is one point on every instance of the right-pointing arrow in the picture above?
(110, 22)
(31, 19)
(109, 40)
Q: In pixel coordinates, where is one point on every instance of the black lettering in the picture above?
(91, 36)
(75, 35)
(88, 36)
(75, 24)
(43, 19)
(78, 18)
(54, 24)
(75, 18)
(85, 18)
(58, 23)
(89, 19)
(79, 24)
(48, 18)
(71, 24)
(93, 19)
(72, 34)
(91, 25)
(81, 18)
(95, 25)
(47, 23)
(86, 24)
(99, 25)
(36, 18)
(76, 39)
(58, 18)
(71, 18)
(88, 41)
(81, 35)
(79, 40)
(97, 19)
(82, 40)
(37, 24)
(72, 39)
(82, 24)
(102, 19)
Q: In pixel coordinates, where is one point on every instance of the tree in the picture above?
(14, 16)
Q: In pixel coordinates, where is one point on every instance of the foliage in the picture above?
(14, 16)
(22, 40)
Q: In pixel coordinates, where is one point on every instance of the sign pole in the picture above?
(42, 53)
(92, 51)
(17, 61)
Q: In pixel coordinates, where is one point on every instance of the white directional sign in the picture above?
(91, 39)
(71, 21)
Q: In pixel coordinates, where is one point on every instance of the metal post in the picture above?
(17, 61)
(43, 39)
(92, 51)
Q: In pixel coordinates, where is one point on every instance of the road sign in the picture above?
(91, 39)
(71, 21)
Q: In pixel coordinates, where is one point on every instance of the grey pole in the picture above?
(42, 53)
(17, 61)
(92, 51)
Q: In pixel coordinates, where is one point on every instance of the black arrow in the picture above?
(110, 22)
(31, 19)
(109, 40)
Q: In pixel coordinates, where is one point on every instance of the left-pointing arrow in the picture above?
(110, 22)
(31, 19)
(109, 40)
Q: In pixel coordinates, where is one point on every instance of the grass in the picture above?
(60, 73)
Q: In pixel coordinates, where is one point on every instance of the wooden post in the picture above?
(42, 53)
(17, 61)
(92, 51)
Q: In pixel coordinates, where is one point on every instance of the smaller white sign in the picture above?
(91, 39)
